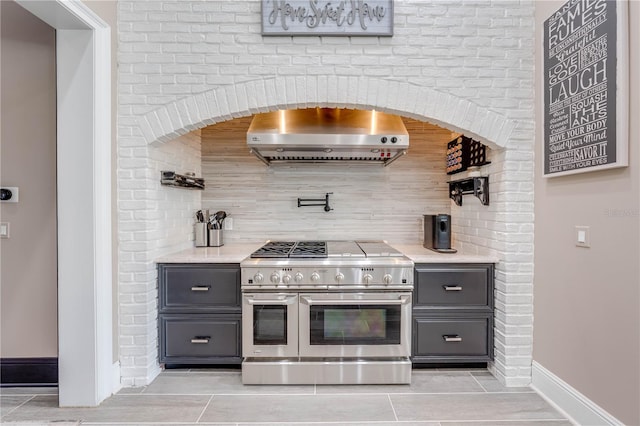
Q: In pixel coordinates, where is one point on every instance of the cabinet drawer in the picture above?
(451, 337)
(197, 287)
(203, 337)
(449, 287)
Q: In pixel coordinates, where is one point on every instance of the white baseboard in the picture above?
(580, 409)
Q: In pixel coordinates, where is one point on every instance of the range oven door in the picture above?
(269, 325)
(355, 325)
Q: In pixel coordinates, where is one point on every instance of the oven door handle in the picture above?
(280, 300)
(401, 300)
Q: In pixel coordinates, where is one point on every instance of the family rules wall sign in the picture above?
(586, 80)
(327, 17)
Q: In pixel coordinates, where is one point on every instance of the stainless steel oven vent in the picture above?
(327, 135)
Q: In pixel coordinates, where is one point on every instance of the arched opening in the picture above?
(478, 229)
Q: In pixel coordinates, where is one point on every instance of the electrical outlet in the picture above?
(228, 224)
(582, 236)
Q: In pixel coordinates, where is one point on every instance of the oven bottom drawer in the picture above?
(200, 339)
(449, 339)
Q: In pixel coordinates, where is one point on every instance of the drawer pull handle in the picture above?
(200, 340)
(200, 288)
(452, 287)
(452, 338)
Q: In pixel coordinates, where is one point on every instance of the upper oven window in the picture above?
(269, 324)
(355, 324)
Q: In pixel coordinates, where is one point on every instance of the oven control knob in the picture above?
(387, 279)
(275, 278)
(367, 278)
(315, 277)
(298, 277)
(339, 277)
(258, 278)
(286, 279)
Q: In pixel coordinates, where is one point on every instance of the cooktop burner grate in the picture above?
(285, 249)
(274, 249)
(309, 249)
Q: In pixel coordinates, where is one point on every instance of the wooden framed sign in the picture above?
(586, 80)
(327, 17)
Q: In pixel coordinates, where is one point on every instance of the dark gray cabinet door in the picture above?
(187, 338)
(452, 339)
(454, 287)
(193, 288)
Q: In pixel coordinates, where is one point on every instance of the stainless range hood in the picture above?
(323, 135)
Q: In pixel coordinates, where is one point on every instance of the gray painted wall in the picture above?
(586, 300)
(28, 155)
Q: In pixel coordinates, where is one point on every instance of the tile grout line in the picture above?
(395, 415)
(18, 406)
(204, 409)
(335, 393)
(478, 382)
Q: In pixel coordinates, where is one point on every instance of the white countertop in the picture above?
(419, 254)
(228, 253)
(236, 252)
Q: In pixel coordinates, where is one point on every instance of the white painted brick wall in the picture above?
(154, 220)
(465, 65)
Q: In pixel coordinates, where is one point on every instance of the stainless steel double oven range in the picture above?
(326, 312)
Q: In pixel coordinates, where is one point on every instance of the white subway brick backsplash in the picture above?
(467, 66)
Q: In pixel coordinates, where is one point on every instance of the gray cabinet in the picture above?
(453, 313)
(199, 314)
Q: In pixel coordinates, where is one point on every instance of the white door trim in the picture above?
(85, 328)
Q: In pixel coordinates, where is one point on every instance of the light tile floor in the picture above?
(188, 397)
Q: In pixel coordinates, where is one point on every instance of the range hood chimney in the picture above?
(324, 135)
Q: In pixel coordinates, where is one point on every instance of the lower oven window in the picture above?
(355, 325)
(269, 325)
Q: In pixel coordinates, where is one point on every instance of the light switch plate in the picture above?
(582, 237)
(4, 230)
(228, 224)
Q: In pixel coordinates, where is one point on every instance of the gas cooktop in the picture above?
(329, 265)
(324, 249)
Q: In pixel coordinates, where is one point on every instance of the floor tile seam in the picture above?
(159, 423)
(463, 393)
(491, 422)
(478, 382)
(259, 423)
(374, 422)
(483, 392)
(393, 409)
(27, 394)
(188, 372)
(204, 409)
(18, 406)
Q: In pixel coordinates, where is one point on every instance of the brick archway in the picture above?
(224, 103)
(495, 229)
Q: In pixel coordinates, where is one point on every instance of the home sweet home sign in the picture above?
(327, 17)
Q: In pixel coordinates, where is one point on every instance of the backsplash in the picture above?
(368, 201)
